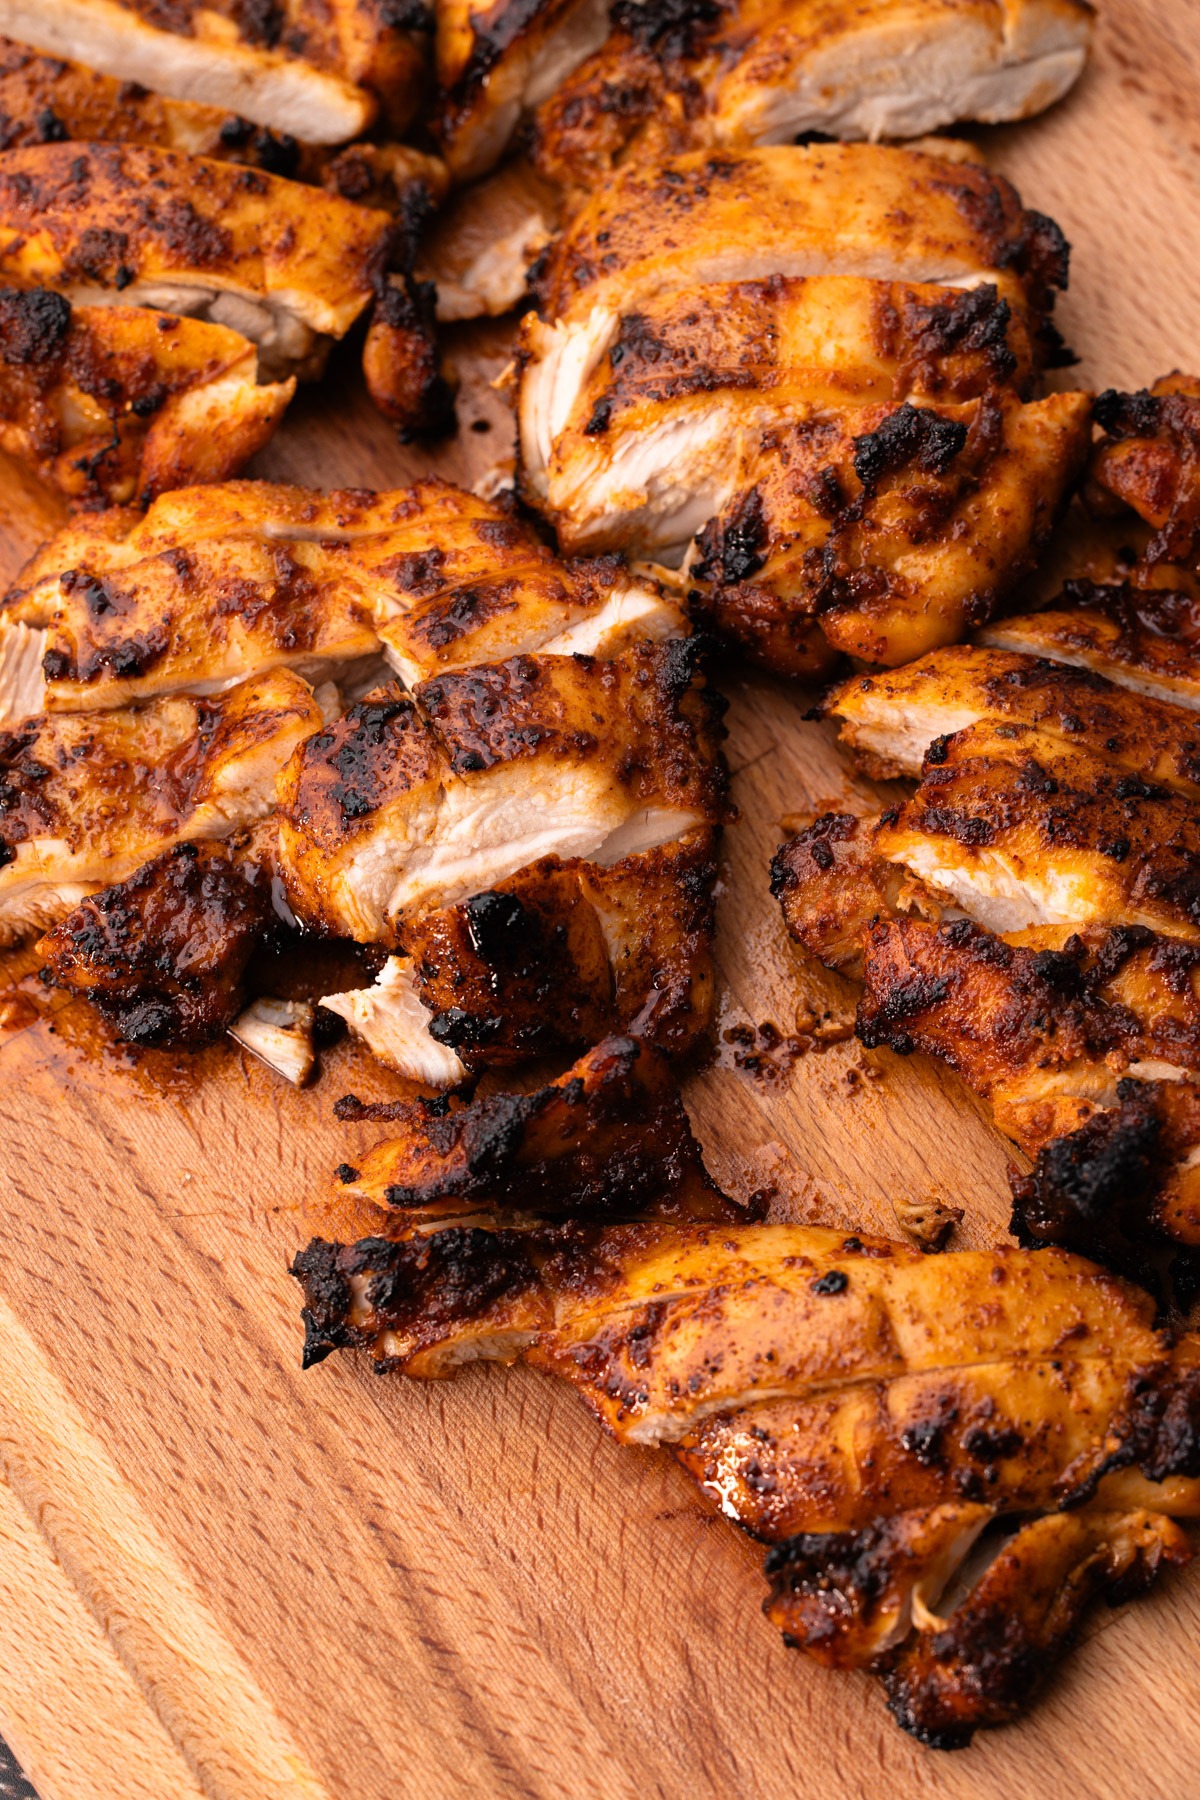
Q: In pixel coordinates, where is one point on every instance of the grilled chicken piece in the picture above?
(411, 802)
(863, 1409)
(889, 720)
(86, 800)
(717, 74)
(1085, 1045)
(1019, 828)
(634, 429)
(288, 266)
(558, 956)
(608, 1138)
(496, 63)
(1142, 638)
(115, 404)
(827, 209)
(1149, 462)
(884, 532)
(317, 72)
(162, 955)
(215, 584)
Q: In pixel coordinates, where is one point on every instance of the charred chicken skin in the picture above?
(217, 583)
(811, 366)
(1134, 615)
(865, 1411)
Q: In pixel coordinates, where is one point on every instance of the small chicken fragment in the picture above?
(480, 248)
(162, 955)
(313, 71)
(610, 1138)
(1149, 462)
(86, 800)
(723, 74)
(112, 405)
(890, 719)
(865, 1411)
(289, 267)
(558, 956)
(410, 802)
(279, 1033)
(215, 584)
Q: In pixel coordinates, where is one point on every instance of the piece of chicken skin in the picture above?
(891, 529)
(496, 63)
(634, 429)
(86, 799)
(163, 954)
(609, 1138)
(827, 209)
(863, 1409)
(290, 267)
(408, 802)
(1143, 638)
(1149, 462)
(316, 72)
(557, 957)
(719, 75)
(112, 405)
(215, 584)
(1019, 828)
(889, 720)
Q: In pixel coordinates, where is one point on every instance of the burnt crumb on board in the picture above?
(766, 1052)
(930, 1221)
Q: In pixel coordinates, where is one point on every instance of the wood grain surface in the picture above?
(220, 1576)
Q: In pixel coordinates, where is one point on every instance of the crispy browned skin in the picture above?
(863, 1409)
(610, 1137)
(116, 404)
(893, 528)
(832, 885)
(565, 953)
(856, 209)
(134, 220)
(163, 954)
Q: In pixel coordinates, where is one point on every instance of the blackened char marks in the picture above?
(34, 325)
(910, 435)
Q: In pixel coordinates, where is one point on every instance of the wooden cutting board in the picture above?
(219, 1576)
